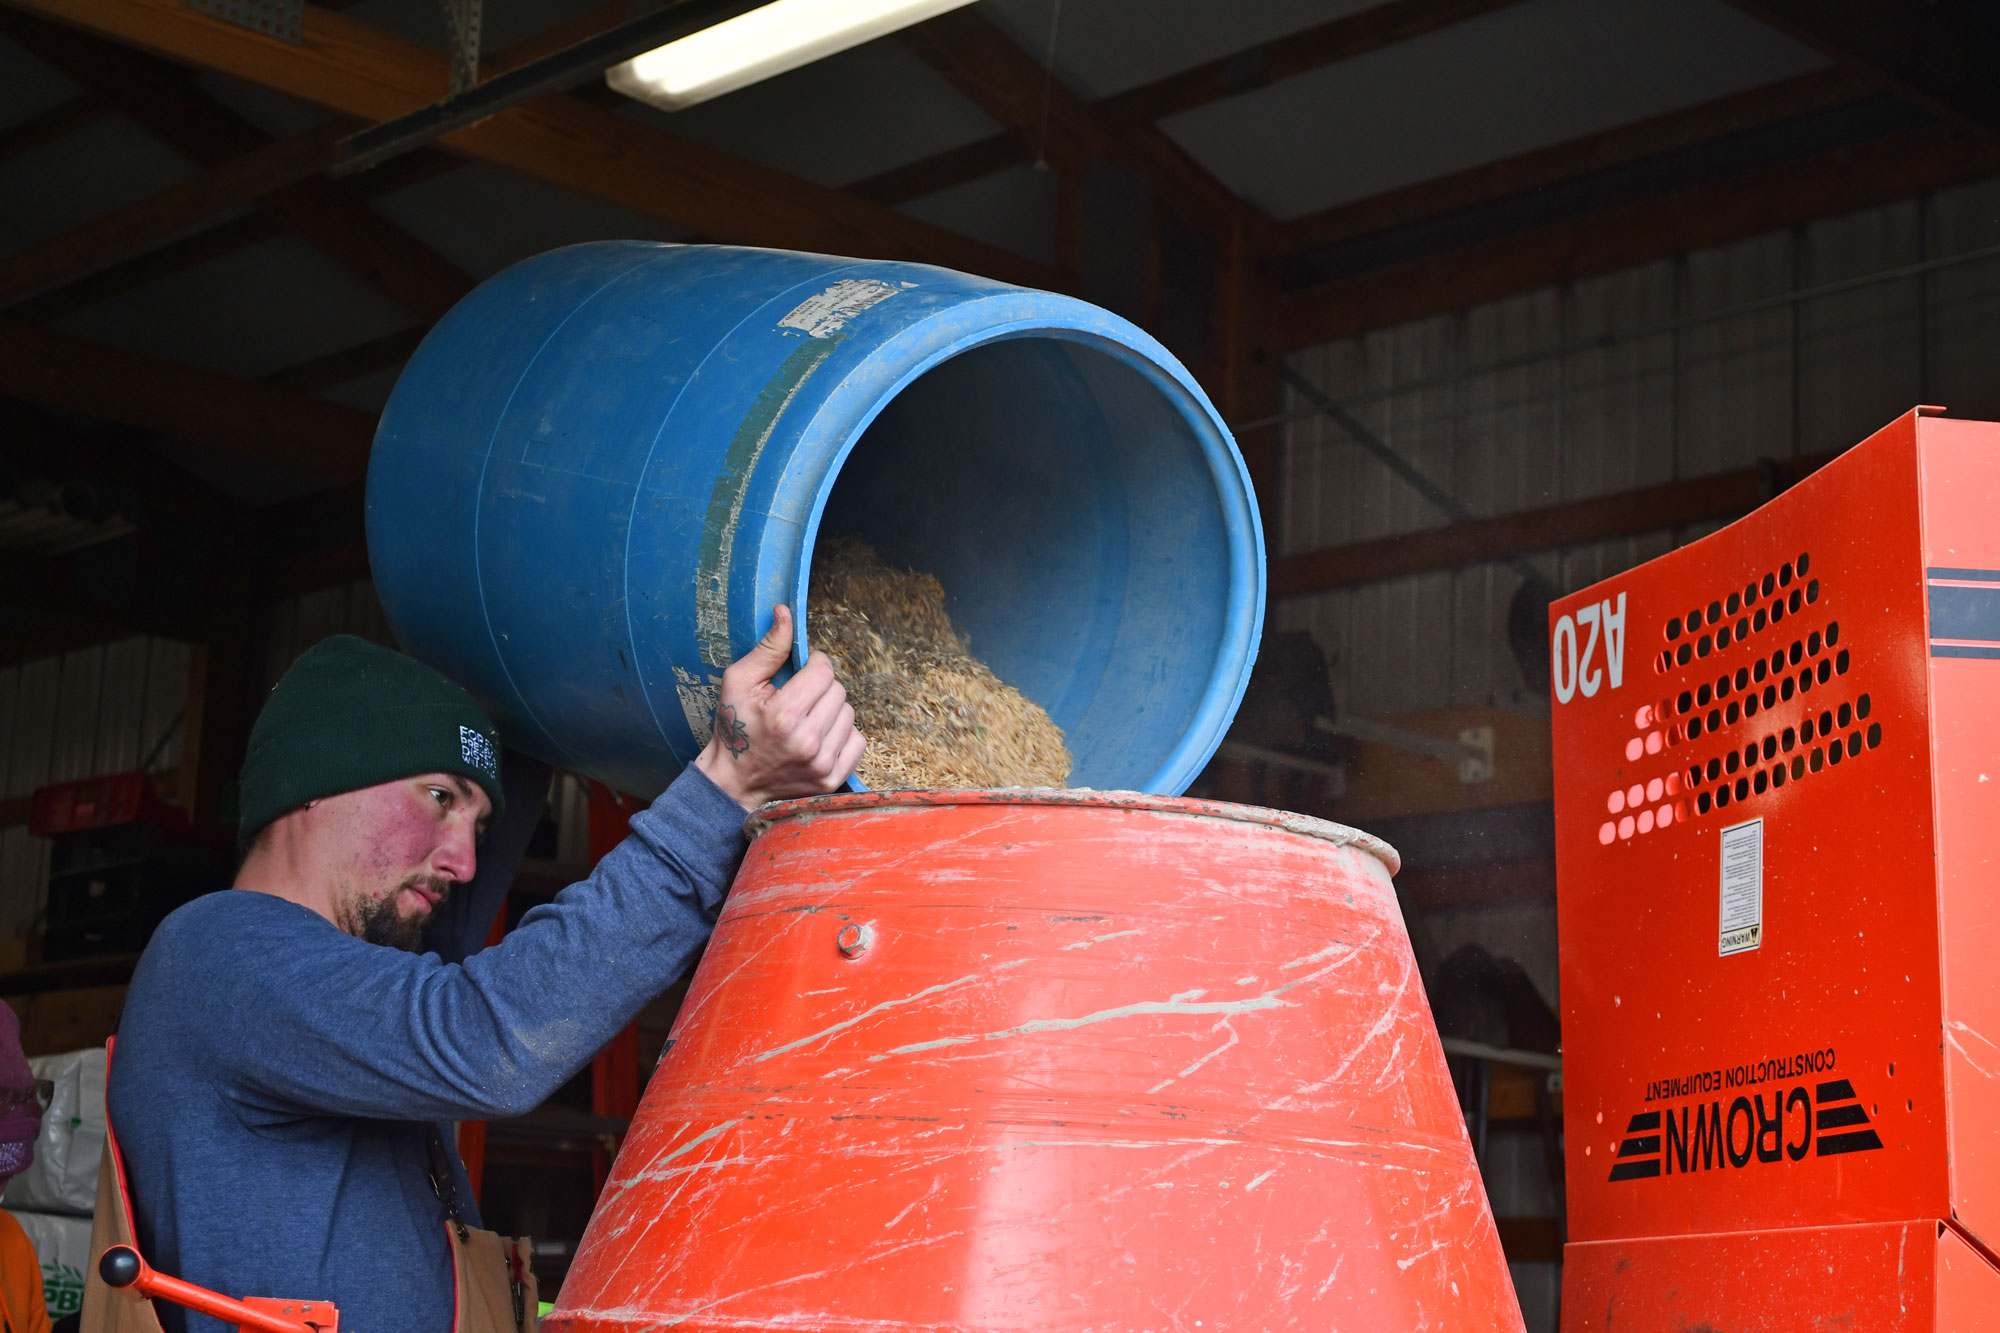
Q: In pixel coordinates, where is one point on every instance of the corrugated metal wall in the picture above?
(297, 623)
(105, 709)
(1593, 388)
(1608, 384)
(1603, 386)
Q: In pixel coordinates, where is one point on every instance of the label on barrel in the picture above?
(822, 315)
(1742, 887)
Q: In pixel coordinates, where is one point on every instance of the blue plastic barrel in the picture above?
(606, 465)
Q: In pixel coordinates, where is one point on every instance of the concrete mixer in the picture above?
(1060, 1060)
(1775, 756)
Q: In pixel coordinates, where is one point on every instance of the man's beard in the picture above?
(379, 921)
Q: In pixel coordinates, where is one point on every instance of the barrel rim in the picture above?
(766, 816)
(1018, 313)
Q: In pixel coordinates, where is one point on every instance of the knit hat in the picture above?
(352, 714)
(20, 1108)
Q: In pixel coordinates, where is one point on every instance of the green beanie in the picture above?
(352, 714)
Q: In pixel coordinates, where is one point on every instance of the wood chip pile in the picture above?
(934, 715)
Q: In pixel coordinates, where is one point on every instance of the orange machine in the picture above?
(1048, 1061)
(1778, 794)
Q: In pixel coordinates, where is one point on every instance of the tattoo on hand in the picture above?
(729, 729)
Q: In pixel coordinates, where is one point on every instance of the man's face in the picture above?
(398, 848)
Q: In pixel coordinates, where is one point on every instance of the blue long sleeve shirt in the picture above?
(276, 1079)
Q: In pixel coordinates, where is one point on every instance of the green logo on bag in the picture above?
(62, 1288)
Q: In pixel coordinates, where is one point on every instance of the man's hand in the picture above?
(770, 743)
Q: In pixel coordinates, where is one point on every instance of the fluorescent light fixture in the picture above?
(768, 40)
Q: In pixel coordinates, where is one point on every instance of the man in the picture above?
(279, 1072)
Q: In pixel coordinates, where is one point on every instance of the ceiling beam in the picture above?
(156, 578)
(942, 171)
(71, 374)
(160, 217)
(349, 363)
(52, 637)
(292, 572)
(1246, 71)
(106, 586)
(161, 579)
(1011, 86)
(1294, 54)
(252, 229)
(1943, 54)
(239, 233)
(1510, 536)
(367, 73)
(1842, 181)
(225, 238)
(35, 442)
(162, 261)
(316, 541)
(1617, 147)
(332, 216)
(556, 37)
(58, 122)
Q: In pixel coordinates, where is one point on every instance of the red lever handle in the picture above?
(123, 1269)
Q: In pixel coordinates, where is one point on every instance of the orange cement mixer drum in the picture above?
(1052, 1061)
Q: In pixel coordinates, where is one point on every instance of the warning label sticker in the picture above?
(1742, 925)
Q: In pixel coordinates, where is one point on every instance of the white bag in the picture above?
(63, 1246)
(63, 1176)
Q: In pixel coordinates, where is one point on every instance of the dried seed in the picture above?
(935, 716)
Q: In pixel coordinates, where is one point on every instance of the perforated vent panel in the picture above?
(1774, 691)
(1754, 697)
